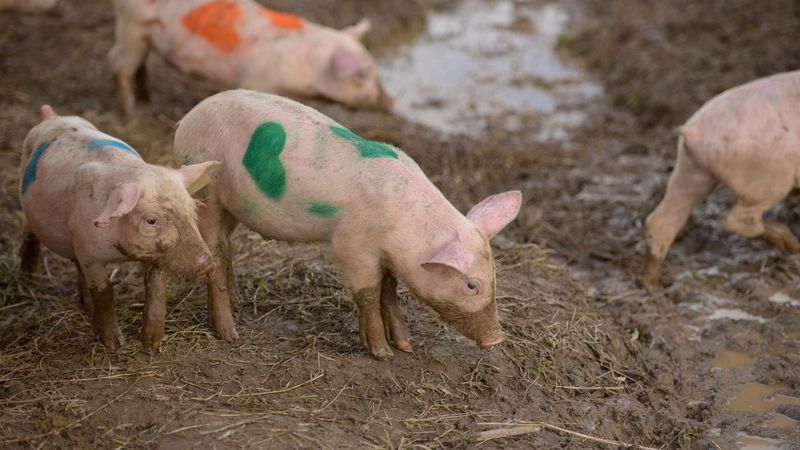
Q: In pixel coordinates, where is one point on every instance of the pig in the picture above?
(748, 138)
(291, 173)
(91, 198)
(239, 43)
(28, 6)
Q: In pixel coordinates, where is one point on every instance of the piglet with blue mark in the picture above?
(91, 198)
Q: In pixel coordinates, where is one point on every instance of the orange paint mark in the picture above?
(283, 20)
(215, 22)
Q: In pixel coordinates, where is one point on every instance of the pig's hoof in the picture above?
(111, 338)
(382, 354)
(228, 334)
(404, 345)
(151, 342)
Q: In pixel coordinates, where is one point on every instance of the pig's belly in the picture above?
(287, 219)
(50, 227)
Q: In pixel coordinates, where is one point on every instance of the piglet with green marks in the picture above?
(91, 198)
(292, 173)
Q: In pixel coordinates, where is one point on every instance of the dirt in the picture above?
(712, 360)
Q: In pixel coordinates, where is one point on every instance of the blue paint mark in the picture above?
(30, 170)
(100, 143)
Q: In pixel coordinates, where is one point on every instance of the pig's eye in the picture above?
(152, 221)
(473, 287)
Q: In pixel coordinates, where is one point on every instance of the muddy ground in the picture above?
(588, 351)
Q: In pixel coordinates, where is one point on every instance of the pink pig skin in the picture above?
(381, 215)
(28, 6)
(312, 60)
(91, 198)
(748, 138)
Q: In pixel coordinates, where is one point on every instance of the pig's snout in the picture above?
(493, 339)
(206, 267)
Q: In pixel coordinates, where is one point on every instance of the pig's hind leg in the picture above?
(688, 185)
(30, 252)
(393, 322)
(746, 217)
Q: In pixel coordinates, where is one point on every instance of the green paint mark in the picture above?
(322, 209)
(249, 207)
(262, 159)
(367, 149)
(186, 159)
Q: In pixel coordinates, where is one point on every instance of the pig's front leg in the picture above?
(370, 323)
(155, 308)
(393, 322)
(104, 318)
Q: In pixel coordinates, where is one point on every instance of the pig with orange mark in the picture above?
(239, 43)
(90, 197)
(747, 138)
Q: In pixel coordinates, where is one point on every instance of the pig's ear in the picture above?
(453, 255)
(195, 176)
(47, 112)
(121, 201)
(358, 30)
(344, 64)
(495, 212)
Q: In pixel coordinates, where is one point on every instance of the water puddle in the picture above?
(783, 299)
(489, 63)
(748, 442)
(760, 398)
(734, 314)
(781, 422)
(731, 360)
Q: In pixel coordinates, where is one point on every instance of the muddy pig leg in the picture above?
(211, 221)
(125, 58)
(393, 322)
(155, 308)
(363, 274)
(226, 251)
(104, 318)
(688, 185)
(84, 296)
(30, 252)
(142, 88)
(746, 219)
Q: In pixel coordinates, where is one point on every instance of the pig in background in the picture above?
(291, 173)
(27, 6)
(91, 198)
(239, 43)
(747, 138)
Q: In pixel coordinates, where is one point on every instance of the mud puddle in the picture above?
(490, 63)
(731, 360)
(761, 398)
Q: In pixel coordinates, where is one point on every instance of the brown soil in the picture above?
(588, 351)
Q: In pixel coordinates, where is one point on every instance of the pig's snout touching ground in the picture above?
(481, 326)
(492, 339)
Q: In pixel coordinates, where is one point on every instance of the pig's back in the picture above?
(290, 172)
(755, 126)
(48, 174)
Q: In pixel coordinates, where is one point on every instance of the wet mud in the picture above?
(574, 103)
